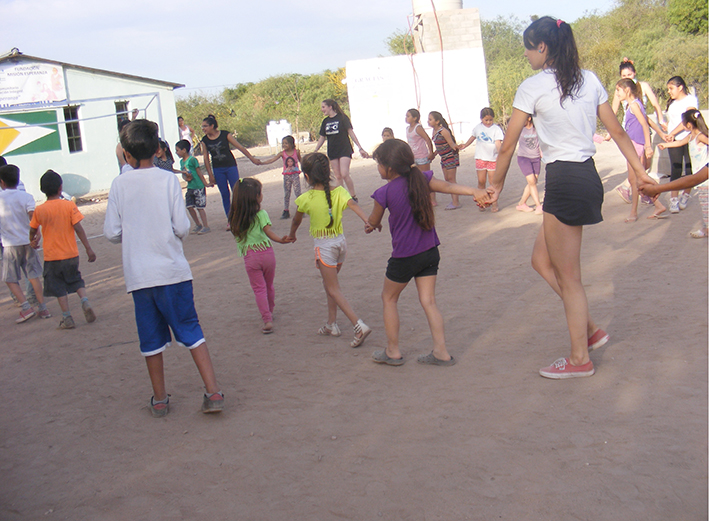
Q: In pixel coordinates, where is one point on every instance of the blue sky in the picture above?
(224, 43)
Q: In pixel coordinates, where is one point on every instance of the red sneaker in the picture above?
(562, 368)
(25, 316)
(598, 339)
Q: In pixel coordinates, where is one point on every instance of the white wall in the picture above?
(381, 90)
(96, 164)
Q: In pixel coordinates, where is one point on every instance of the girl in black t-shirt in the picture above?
(222, 168)
(337, 129)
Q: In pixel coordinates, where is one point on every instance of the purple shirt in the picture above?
(407, 237)
(633, 127)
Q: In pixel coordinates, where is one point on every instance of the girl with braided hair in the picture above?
(325, 206)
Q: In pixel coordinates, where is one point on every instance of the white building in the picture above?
(64, 117)
(447, 75)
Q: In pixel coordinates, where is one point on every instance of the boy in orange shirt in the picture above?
(59, 220)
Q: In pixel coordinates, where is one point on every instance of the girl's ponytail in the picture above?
(562, 54)
(317, 167)
(694, 117)
(397, 155)
(627, 83)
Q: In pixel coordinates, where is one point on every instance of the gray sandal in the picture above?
(381, 357)
(432, 360)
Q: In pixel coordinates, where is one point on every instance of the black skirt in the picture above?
(573, 192)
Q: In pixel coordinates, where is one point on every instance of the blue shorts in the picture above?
(159, 309)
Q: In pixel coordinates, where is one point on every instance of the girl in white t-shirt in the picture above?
(489, 138)
(561, 93)
(680, 102)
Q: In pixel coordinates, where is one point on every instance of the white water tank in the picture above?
(426, 6)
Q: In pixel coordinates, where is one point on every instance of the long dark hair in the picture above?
(562, 54)
(415, 113)
(244, 206)
(438, 117)
(627, 83)
(317, 168)
(397, 155)
(677, 81)
(333, 105)
(694, 117)
(211, 121)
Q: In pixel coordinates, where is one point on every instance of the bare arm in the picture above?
(498, 145)
(297, 219)
(616, 104)
(675, 144)
(271, 159)
(429, 144)
(449, 139)
(208, 163)
(647, 91)
(444, 187)
(374, 222)
(362, 151)
(352, 205)
(241, 148)
(275, 238)
(320, 142)
(507, 150)
(85, 241)
(638, 113)
(467, 143)
(684, 182)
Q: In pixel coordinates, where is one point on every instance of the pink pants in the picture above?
(261, 269)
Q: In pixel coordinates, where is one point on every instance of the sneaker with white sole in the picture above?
(213, 403)
(25, 315)
(598, 339)
(562, 369)
(674, 205)
(44, 314)
(66, 323)
(683, 201)
(89, 314)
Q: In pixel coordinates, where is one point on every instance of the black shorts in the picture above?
(573, 192)
(62, 277)
(403, 269)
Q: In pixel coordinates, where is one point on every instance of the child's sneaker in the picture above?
(66, 323)
(285, 214)
(45, 314)
(562, 368)
(204, 230)
(598, 339)
(159, 409)
(213, 403)
(196, 229)
(674, 205)
(683, 201)
(624, 193)
(88, 312)
(25, 315)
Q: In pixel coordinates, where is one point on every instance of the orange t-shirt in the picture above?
(57, 218)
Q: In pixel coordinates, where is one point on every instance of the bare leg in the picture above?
(81, 292)
(157, 376)
(533, 191)
(203, 216)
(341, 169)
(563, 247)
(482, 178)
(489, 173)
(542, 265)
(334, 293)
(64, 303)
(200, 355)
(525, 194)
(37, 286)
(193, 214)
(449, 175)
(16, 290)
(426, 287)
(390, 298)
(634, 196)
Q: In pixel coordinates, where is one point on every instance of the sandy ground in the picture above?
(313, 430)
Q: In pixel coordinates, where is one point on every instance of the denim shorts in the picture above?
(162, 308)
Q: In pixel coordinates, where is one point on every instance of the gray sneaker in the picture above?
(204, 230)
(683, 201)
(196, 229)
(67, 323)
(88, 312)
(213, 403)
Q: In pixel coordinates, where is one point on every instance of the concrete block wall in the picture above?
(460, 29)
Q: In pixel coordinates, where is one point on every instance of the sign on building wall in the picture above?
(29, 133)
(29, 83)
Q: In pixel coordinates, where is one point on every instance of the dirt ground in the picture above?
(314, 430)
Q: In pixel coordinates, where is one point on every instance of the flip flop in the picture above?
(698, 234)
(267, 330)
(657, 216)
(381, 357)
(432, 360)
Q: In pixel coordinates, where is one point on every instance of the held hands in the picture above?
(651, 190)
(289, 239)
(482, 197)
(494, 194)
(649, 151)
(662, 146)
(432, 156)
(34, 243)
(669, 138)
(257, 161)
(368, 228)
(364, 153)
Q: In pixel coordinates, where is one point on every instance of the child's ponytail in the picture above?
(562, 54)
(694, 117)
(438, 118)
(627, 83)
(317, 168)
(397, 155)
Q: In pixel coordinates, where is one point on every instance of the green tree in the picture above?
(400, 42)
(690, 16)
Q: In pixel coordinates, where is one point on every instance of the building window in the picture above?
(73, 132)
(121, 112)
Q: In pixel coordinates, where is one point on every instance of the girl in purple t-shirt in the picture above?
(636, 127)
(414, 241)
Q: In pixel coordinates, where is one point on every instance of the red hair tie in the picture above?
(559, 22)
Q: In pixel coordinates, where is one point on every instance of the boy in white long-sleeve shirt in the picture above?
(146, 213)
